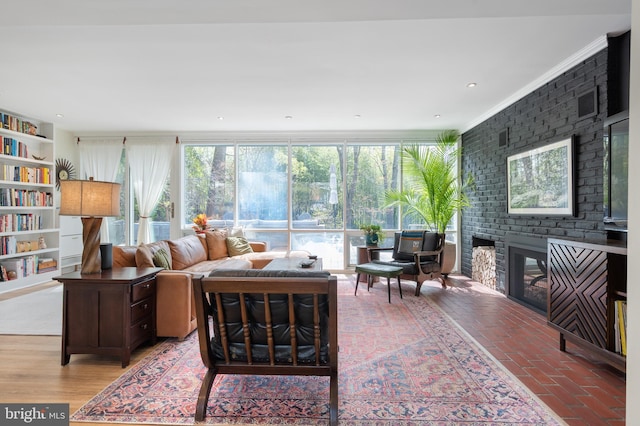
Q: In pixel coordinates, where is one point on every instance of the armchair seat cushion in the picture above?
(410, 268)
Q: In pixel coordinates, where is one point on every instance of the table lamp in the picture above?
(91, 200)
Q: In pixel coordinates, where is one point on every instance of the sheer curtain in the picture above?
(99, 159)
(149, 164)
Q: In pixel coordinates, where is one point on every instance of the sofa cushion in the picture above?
(263, 258)
(238, 245)
(186, 251)
(124, 256)
(161, 259)
(216, 244)
(145, 252)
(209, 265)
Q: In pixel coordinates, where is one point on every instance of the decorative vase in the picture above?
(371, 239)
(449, 261)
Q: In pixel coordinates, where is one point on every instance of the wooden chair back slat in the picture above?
(246, 332)
(269, 327)
(222, 329)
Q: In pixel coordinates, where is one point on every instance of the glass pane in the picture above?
(262, 186)
(327, 245)
(357, 241)
(316, 177)
(277, 241)
(209, 182)
(371, 170)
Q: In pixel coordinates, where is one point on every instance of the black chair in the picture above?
(419, 253)
(268, 322)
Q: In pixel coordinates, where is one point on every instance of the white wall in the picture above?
(633, 286)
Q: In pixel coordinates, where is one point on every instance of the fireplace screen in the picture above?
(528, 277)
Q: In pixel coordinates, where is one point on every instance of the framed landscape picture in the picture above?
(541, 181)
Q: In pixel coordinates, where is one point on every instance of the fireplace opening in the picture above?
(527, 272)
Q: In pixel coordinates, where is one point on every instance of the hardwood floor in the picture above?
(30, 372)
(576, 386)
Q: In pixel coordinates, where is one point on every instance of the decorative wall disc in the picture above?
(64, 171)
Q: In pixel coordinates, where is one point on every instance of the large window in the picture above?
(209, 184)
(372, 169)
(262, 186)
(297, 195)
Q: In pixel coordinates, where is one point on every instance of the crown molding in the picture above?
(583, 54)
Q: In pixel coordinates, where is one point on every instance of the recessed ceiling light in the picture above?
(357, 116)
(60, 115)
(288, 117)
(221, 118)
(472, 84)
(437, 116)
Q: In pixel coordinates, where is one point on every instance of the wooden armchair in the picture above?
(419, 253)
(268, 323)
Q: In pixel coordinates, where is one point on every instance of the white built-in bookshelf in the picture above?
(29, 249)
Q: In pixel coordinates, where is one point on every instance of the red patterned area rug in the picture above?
(404, 363)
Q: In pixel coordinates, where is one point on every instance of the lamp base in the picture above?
(91, 261)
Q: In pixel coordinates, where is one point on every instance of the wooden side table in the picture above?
(363, 257)
(110, 313)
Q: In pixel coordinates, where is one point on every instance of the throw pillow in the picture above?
(410, 242)
(161, 259)
(238, 245)
(216, 244)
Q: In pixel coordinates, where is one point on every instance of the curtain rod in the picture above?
(124, 139)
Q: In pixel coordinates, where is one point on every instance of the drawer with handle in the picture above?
(142, 290)
(141, 309)
(141, 331)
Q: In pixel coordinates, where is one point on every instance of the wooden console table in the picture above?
(110, 313)
(585, 281)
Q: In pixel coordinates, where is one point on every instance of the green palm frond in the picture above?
(432, 192)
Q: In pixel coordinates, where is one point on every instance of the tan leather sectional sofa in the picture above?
(192, 254)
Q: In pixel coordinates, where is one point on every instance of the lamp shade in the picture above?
(89, 198)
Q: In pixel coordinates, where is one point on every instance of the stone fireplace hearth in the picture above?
(526, 262)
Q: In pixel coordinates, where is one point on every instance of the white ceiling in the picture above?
(176, 66)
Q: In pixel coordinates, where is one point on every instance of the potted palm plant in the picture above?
(373, 234)
(433, 193)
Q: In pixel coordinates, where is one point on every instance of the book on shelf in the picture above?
(620, 325)
(47, 264)
(20, 267)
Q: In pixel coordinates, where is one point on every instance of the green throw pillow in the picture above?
(238, 245)
(161, 259)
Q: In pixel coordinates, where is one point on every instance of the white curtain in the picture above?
(149, 164)
(99, 159)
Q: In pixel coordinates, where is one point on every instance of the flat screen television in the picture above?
(616, 171)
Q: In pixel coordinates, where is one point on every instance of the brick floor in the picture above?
(576, 385)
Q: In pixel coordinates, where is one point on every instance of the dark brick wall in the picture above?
(547, 115)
